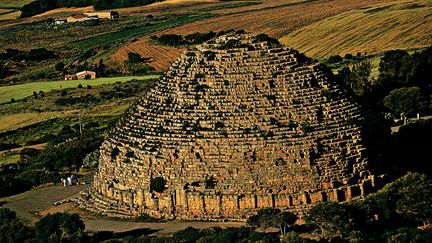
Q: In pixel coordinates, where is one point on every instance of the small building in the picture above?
(80, 18)
(86, 75)
(103, 15)
(59, 21)
(70, 77)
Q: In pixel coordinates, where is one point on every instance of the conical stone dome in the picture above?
(236, 124)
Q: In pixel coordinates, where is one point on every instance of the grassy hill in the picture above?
(399, 25)
(23, 90)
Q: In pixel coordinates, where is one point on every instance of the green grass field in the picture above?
(372, 30)
(115, 37)
(9, 158)
(23, 90)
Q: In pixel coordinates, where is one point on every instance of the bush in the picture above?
(134, 57)
(11, 229)
(348, 56)
(404, 100)
(59, 66)
(28, 152)
(189, 234)
(60, 227)
(334, 59)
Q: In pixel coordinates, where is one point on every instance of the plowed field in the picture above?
(278, 21)
(371, 30)
(161, 57)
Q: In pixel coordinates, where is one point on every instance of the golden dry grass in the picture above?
(161, 57)
(15, 121)
(166, 7)
(10, 15)
(277, 22)
(400, 25)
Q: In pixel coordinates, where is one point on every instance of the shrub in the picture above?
(134, 57)
(60, 227)
(348, 56)
(404, 100)
(334, 59)
(11, 228)
(59, 66)
(189, 234)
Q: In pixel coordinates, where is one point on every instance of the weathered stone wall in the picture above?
(231, 131)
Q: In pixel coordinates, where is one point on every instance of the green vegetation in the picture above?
(402, 86)
(70, 137)
(396, 213)
(404, 100)
(105, 39)
(273, 217)
(40, 6)
(24, 90)
(80, 46)
(9, 158)
(393, 212)
(8, 4)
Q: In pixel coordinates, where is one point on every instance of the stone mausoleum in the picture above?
(236, 124)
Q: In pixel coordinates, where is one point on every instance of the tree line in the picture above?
(400, 212)
(40, 6)
(404, 84)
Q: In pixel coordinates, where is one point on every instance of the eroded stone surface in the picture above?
(235, 125)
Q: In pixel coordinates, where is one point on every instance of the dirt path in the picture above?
(32, 205)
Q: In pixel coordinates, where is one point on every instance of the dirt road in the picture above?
(32, 204)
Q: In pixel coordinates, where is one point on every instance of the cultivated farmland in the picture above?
(277, 21)
(160, 57)
(373, 29)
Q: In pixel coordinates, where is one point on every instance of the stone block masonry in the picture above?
(235, 125)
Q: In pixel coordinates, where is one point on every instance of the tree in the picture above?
(411, 197)
(357, 78)
(3, 70)
(60, 227)
(134, 57)
(59, 66)
(394, 69)
(348, 56)
(333, 219)
(100, 67)
(11, 228)
(404, 100)
(190, 234)
(334, 59)
(272, 217)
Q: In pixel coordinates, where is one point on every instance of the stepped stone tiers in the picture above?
(236, 124)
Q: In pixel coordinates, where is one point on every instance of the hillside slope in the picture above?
(400, 25)
(277, 21)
